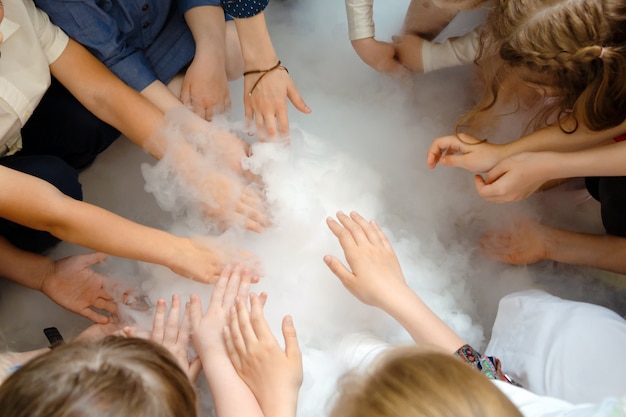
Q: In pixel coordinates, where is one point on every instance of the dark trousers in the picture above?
(611, 193)
(60, 139)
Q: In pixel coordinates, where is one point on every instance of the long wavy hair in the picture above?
(574, 50)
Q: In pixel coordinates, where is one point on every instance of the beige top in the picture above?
(31, 43)
(452, 52)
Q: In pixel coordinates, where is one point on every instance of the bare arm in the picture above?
(44, 207)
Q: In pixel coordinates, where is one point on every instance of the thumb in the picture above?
(297, 100)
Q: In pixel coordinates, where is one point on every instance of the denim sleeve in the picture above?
(240, 9)
(90, 25)
(184, 5)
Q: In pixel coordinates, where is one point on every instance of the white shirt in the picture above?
(31, 43)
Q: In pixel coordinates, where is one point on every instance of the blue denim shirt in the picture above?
(141, 41)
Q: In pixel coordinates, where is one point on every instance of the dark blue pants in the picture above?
(611, 193)
(60, 139)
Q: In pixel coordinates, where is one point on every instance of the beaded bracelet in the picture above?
(263, 74)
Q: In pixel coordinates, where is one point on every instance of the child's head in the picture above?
(412, 383)
(573, 49)
(112, 377)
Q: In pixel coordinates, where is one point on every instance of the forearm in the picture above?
(25, 268)
(208, 28)
(423, 18)
(161, 96)
(256, 44)
(424, 326)
(100, 91)
(231, 395)
(552, 138)
(597, 251)
(601, 161)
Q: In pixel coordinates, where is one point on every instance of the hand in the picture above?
(376, 273)
(207, 328)
(273, 375)
(409, 51)
(174, 337)
(465, 151)
(205, 88)
(381, 56)
(72, 284)
(525, 243)
(100, 331)
(267, 105)
(514, 178)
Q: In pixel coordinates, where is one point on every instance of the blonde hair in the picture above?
(458, 4)
(576, 49)
(410, 382)
(114, 377)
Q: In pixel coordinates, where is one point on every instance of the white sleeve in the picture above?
(52, 39)
(532, 405)
(360, 19)
(450, 53)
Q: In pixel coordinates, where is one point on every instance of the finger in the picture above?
(233, 354)
(244, 285)
(106, 305)
(296, 99)
(382, 237)
(173, 318)
(232, 287)
(263, 298)
(282, 120)
(244, 321)
(260, 126)
(269, 121)
(185, 95)
(195, 367)
(355, 230)
(220, 286)
(345, 237)
(158, 322)
(184, 333)
(338, 268)
(292, 348)
(367, 228)
(94, 316)
(258, 323)
(249, 112)
(486, 191)
(195, 312)
(235, 332)
(94, 258)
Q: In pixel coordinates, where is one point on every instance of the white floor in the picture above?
(366, 140)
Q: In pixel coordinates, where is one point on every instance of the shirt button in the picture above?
(145, 7)
(145, 25)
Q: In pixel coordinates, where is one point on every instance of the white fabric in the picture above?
(532, 405)
(451, 52)
(31, 43)
(560, 348)
(360, 19)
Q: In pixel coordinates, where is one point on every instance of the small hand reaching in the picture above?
(273, 375)
(376, 272)
(524, 244)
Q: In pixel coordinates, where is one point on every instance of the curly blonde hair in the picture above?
(575, 49)
(411, 382)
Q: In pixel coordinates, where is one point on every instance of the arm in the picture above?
(231, 395)
(376, 279)
(530, 241)
(267, 104)
(69, 282)
(205, 85)
(45, 208)
(517, 177)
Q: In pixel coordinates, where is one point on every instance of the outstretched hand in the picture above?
(376, 273)
(524, 243)
(464, 151)
(273, 375)
(74, 285)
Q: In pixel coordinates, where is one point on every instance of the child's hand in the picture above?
(525, 243)
(381, 56)
(273, 375)
(207, 328)
(376, 273)
(517, 177)
(174, 337)
(465, 151)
